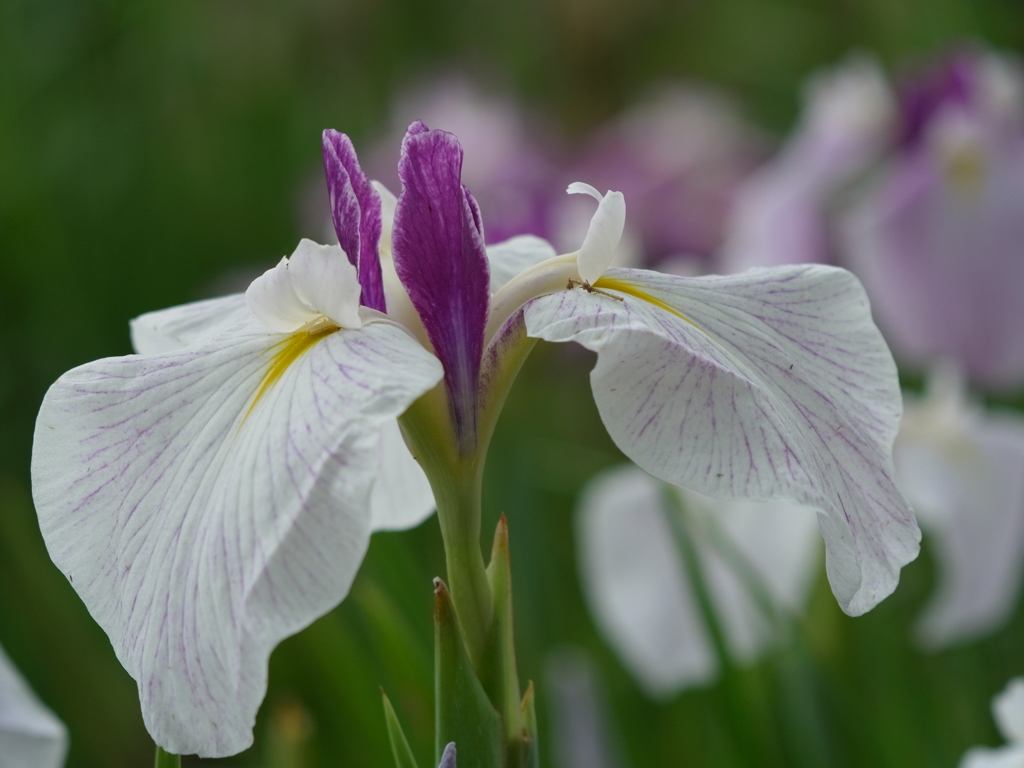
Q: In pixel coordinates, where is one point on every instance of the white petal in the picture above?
(272, 299)
(401, 496)
(169, 329)
(324, 279)
(1008, 709)
(634, 580)
(631, 563)
(775, 385)
(778, 542)
(963, 470)
(31, 736)
(201, 527)
(507, 259)
(604, 233)
(1006, 757)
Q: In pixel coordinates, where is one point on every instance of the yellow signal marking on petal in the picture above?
(291, 349)
(631, 290)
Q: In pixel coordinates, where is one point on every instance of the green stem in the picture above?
(166, 759)
(458, 510)
(455, 480)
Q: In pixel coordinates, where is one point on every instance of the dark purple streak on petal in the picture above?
(355, 210)
(440, 258)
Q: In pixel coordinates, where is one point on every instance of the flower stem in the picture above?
(458, 509)
(166, 759)
(455, 480)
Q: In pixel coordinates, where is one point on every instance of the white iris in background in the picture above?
(31, 736)
(1008, 709)
(637, 581)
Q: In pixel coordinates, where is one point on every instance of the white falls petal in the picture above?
(168, 329)
(401, 496)
(604, 233)
(324, 279)
(510, 257)
(272, 299)
(636, 585)
(963, 470)
(202, 516)
(31, 736)
(636, 582)
(770, 384)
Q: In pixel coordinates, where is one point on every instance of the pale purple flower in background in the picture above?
(962, 467)
(638, 586)
(781, 212)
(678, 157)
(215, 493)
(1008, 710)
(31, 736)
(511, 161)
(582, 733)
(937, 234)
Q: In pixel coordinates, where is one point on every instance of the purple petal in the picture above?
(440, 258)
(355, 209)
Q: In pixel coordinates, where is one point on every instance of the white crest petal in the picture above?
(324, 279)
(201, 529)
(401, 497)
(635, 582)
(166, 330)
(271, 297)
(604, 233)
(963, 470)
(31, 736)
(770, 384)
(510, 257)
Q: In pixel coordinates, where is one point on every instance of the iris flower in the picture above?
(31, 736)
(1008, 709)
(212, 498)
(962, 467)
(755, 560)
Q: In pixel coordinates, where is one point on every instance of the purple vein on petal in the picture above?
(356, 213)
(440, 258)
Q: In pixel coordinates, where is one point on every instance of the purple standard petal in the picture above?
(355, 210)
(440, 257)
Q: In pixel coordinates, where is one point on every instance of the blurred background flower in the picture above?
(670, 573)
(31, 736)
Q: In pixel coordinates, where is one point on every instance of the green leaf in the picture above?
(498, 669)
(463, 711)
(399, 744)
(530, 750)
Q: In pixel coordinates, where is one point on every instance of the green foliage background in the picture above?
(149, 148)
